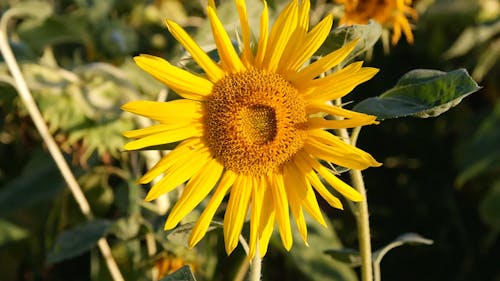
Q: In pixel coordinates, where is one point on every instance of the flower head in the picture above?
(389, 13)
(253, 126)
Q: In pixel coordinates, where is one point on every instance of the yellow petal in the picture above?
(186, 84)
(169, 136)
(330, 148)
(339, 84)
(295, 45)
(203, 222)
(187, 149)
(151, 130)
(178, 173)
(247, 55)
(211, 3)
(313, 108)
(405, 25)
(323, 64)
(263, 40)
(212, 69)
(337, 76)
(309, 44)
(295, 188)
(230, 60)
(281, 205)
(268, 214)
(343, 188)
(281, 32)
(195, 191)
(396, 34)
(236, 211)
(166, 112)
(257, 201)
(303, 22)
(320, 123)
(307, 195)
(311, 176)
(346, 159)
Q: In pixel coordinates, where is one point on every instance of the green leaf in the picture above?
(10, 232)
(39, 181)
(116, 39)
(489, 208)
(127, 228)
(487, 60)
(421, 93)
(53, 30)
(76, 241)
(182, 274)
(345, 255)
(367, 33)
(481, 153)
(38, 9)
(309, 259)
(403, 239)
(471, 37)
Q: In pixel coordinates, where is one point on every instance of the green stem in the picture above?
(363, 224)
(256, 266)
(362, 217)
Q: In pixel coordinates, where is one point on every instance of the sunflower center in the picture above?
(258, 123)
(255, 122)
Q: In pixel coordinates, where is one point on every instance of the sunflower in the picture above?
(253, 126)
(390, 13)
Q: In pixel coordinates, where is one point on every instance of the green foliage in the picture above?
(421, 93)
(10, 232)
(489, 209)
(38, 181)
(183, 274)
(483, 37)
(310, 261)
(480, 154)
(367, 35)
(403, 239)
(78, 240)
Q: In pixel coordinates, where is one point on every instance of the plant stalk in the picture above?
(256, 266)
(363, 224)
(362, 218)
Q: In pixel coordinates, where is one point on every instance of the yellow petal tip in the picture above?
(151, 196)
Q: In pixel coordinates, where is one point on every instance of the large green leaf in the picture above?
(78, 240)
(421, 93)
(40, 180)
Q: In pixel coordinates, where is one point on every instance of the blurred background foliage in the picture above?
(440, 176)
